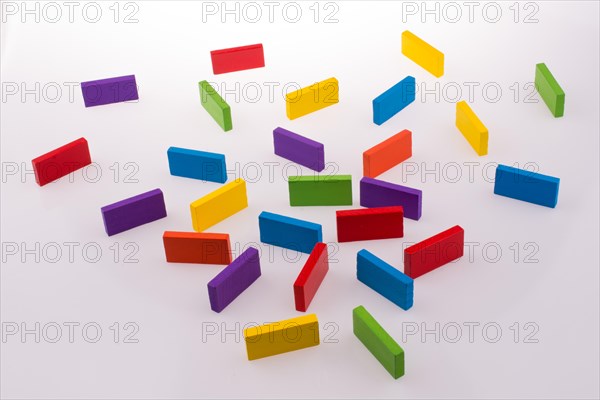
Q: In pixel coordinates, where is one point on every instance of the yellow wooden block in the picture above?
(472, 128)
(423, 53)
(218, 205)
(281, 337)
(312, 98)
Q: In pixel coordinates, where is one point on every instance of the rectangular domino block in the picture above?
(134, 211)
(378, 342)
(299, 149)
(197, 248)
(234, 279)
(312, 98)
(370, 224)
(329, 190)
(237, 59)
(281, 337)
(549, 90)
(216, 107)
(197, 164)
(394, 100)
(311, 276)
(384, 279)
(108, 91)
(526, 186)
(378, 193)
(422, 53)
(472, 128)
(434, 252)
(62, 161)
(218, 205)
(387, 154)
(289, 233)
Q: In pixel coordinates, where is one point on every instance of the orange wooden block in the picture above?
(197, 247)
(387, 154)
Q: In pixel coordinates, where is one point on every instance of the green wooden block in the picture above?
(215, 105)
(549, 90)
(378, 341)
(331, 190)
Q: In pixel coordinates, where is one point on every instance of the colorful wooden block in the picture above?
(197, 248)
(311, 276)
(237, 59)
(234, 279)
(219, 204)
(289, 233)
(108, 91)
(378, 342)
(299, 149)
(387, 154)
(378, 193)
(315, 190)
(549, 90)
(370, 224)
(394, 100)
(434, 252)
(312, 98)
(134, 211)
(197, 164)
(214, 104)
(472, 128)
(281, 337)
(422, 53)
(61, 162)
(526, 186)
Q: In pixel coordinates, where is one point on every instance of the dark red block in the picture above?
(311, 276)
(434, 252)
(237, 58)
(62, 161)
(370, 223)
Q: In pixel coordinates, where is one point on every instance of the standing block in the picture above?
(378, 193)
(234, 279)
(62, 161)
(434, 252)
(526, 185)
(394, 100)
(311, 276)
(328, 190)
(214, 104)
(299, 149)
(422, 53)
(134, 211)
(108, 91)
(549, 90)
(197, 248)
(387, 154)
(218, 205)
(281, 337)
(370, 224)
(197, 164)
(378, 342)
(472, 128)
(312, 98)
(237, 58)
(289, 233)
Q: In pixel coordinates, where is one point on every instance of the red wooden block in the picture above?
(237, 58)
(62, 161)
(311, 276)
(197, 247)
(370, 223)
(434, 252)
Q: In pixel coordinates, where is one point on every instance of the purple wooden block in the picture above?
(134, 211)
(299, 149)
(234, 279)
(378, 193)
(111, 90)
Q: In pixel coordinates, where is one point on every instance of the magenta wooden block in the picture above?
(299, 149)
(111, 90)
(134, 211)
(378, 193)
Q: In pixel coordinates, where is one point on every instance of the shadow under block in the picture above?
(289, 233)
(283, 336)
(423, 54)
(378, 342)
(197, 248)
(237, 58)
(312, 98)
(299, 149)
(472, 128)
(197, 164)
(526, 186)
(311, 276)
(219, 204)
(387, 154)
(108, 91)
(61, 161)
(370, 224)
(394, 100)
(549, 90)
(315, 190)
(214, 104)
(434, 252)
(385, 279)
(378, 193)
(134, 211)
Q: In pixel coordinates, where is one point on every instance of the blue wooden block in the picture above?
(385, 279)
(197, 164)
(526, 185)
(290, 233)
(393, 100)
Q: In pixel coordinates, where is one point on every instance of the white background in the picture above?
(168, 51)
